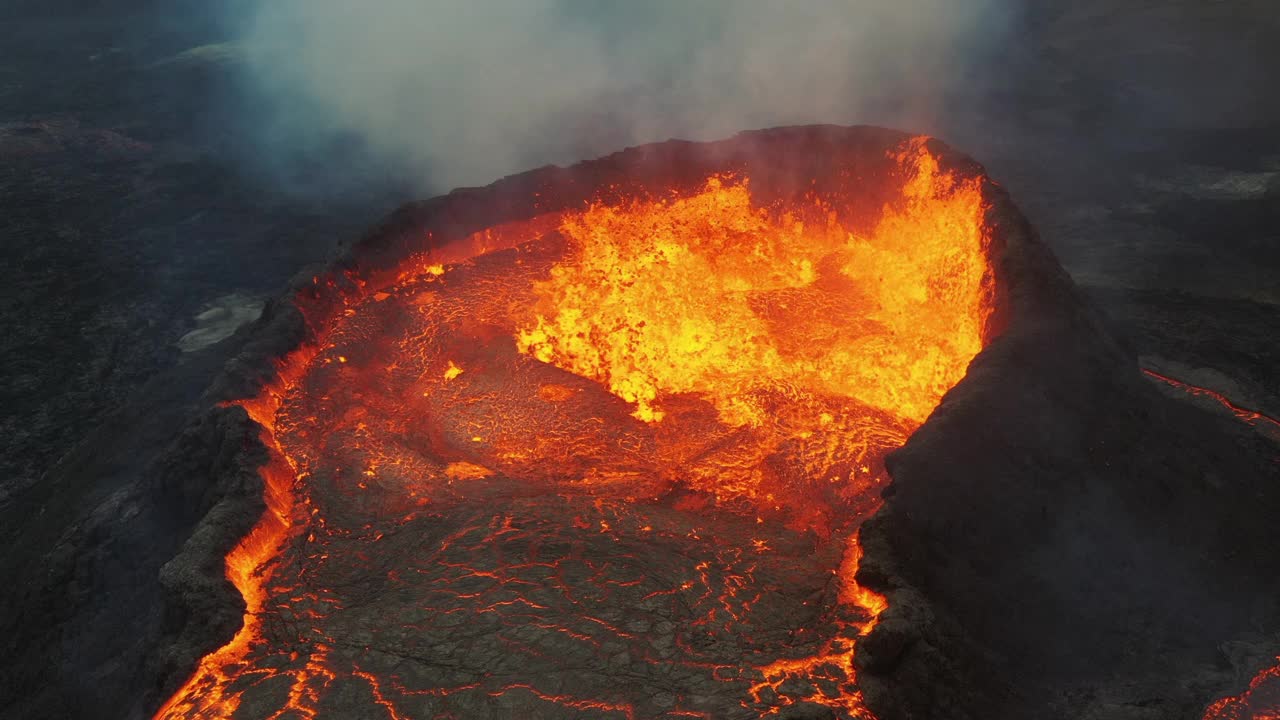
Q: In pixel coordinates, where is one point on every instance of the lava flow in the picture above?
(609, 462)
(1252, 417)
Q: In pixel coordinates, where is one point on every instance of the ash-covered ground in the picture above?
(1142, 140)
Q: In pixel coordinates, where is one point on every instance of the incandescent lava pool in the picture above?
(608, 458)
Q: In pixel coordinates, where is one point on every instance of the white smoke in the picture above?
(463, 91)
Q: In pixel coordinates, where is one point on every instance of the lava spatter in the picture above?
(609, 462)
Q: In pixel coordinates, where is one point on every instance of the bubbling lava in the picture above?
(650, 365)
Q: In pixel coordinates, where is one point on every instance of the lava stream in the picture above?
(1253, 417)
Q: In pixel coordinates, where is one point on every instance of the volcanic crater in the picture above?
(614, 440)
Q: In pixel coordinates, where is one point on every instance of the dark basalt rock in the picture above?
(1060, 538)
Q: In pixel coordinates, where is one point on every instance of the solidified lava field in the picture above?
(607, 461)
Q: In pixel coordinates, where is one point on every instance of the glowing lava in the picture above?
(1252, 417)
(609, 462)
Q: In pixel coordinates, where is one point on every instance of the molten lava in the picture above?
(604, 462)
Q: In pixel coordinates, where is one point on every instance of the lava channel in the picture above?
(609, 462)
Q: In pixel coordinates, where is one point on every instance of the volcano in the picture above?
(806, 423)
(628, 430)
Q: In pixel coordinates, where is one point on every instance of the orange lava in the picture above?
(1253, 417)
(249, 563)
(648, 363)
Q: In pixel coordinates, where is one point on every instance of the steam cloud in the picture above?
(457, 92)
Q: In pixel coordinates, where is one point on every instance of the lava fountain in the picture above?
(597, 442)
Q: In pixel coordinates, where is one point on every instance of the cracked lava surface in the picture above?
(602, 463)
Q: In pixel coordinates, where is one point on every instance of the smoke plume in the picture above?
(454, 92)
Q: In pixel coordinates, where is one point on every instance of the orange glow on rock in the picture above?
(694, 370)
